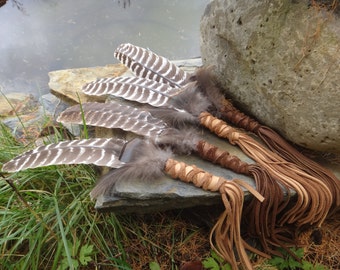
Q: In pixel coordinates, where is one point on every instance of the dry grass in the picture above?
(174, 237)
(170, 238)
(323, 245)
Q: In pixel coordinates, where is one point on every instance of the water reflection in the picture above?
(43, 35)
(126, 3)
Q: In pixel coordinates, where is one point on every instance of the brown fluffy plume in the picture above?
(144, 162)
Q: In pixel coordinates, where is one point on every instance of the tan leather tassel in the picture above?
(225, 110)
(227, 232)
(280, 146)
(261, 215)
(313, 197)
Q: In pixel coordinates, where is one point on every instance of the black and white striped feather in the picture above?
(132, 88)
(101, 152)
(103, 86)
(146, 64)
(157, 130)
(178, 109)
(206, 82)
(181, 141)
(113, 115)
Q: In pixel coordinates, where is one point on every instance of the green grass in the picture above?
(47, 221)
(47, 217)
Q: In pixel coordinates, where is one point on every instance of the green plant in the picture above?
(288, 262)
(215, 262)
(154, 266)
(80, 255)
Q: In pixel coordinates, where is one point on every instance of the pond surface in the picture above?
(39, 36)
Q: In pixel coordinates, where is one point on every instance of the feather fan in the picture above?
(144, 160)
(287, 173)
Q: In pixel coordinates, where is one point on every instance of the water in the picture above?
(39, 36)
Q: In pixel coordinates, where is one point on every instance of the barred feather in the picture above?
(146, 164)
(114, 115)
(103, 86)
(101, 152)
(131, 88)
(183, 141)
(147, 64)
(179, 109)
(201, 81)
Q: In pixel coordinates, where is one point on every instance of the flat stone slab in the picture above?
(26, 116)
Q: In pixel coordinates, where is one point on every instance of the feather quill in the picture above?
(144, 63)
(101, 152)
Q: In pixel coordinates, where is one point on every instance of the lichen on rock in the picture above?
(279, 61)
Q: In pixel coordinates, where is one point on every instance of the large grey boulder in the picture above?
(279, 61)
